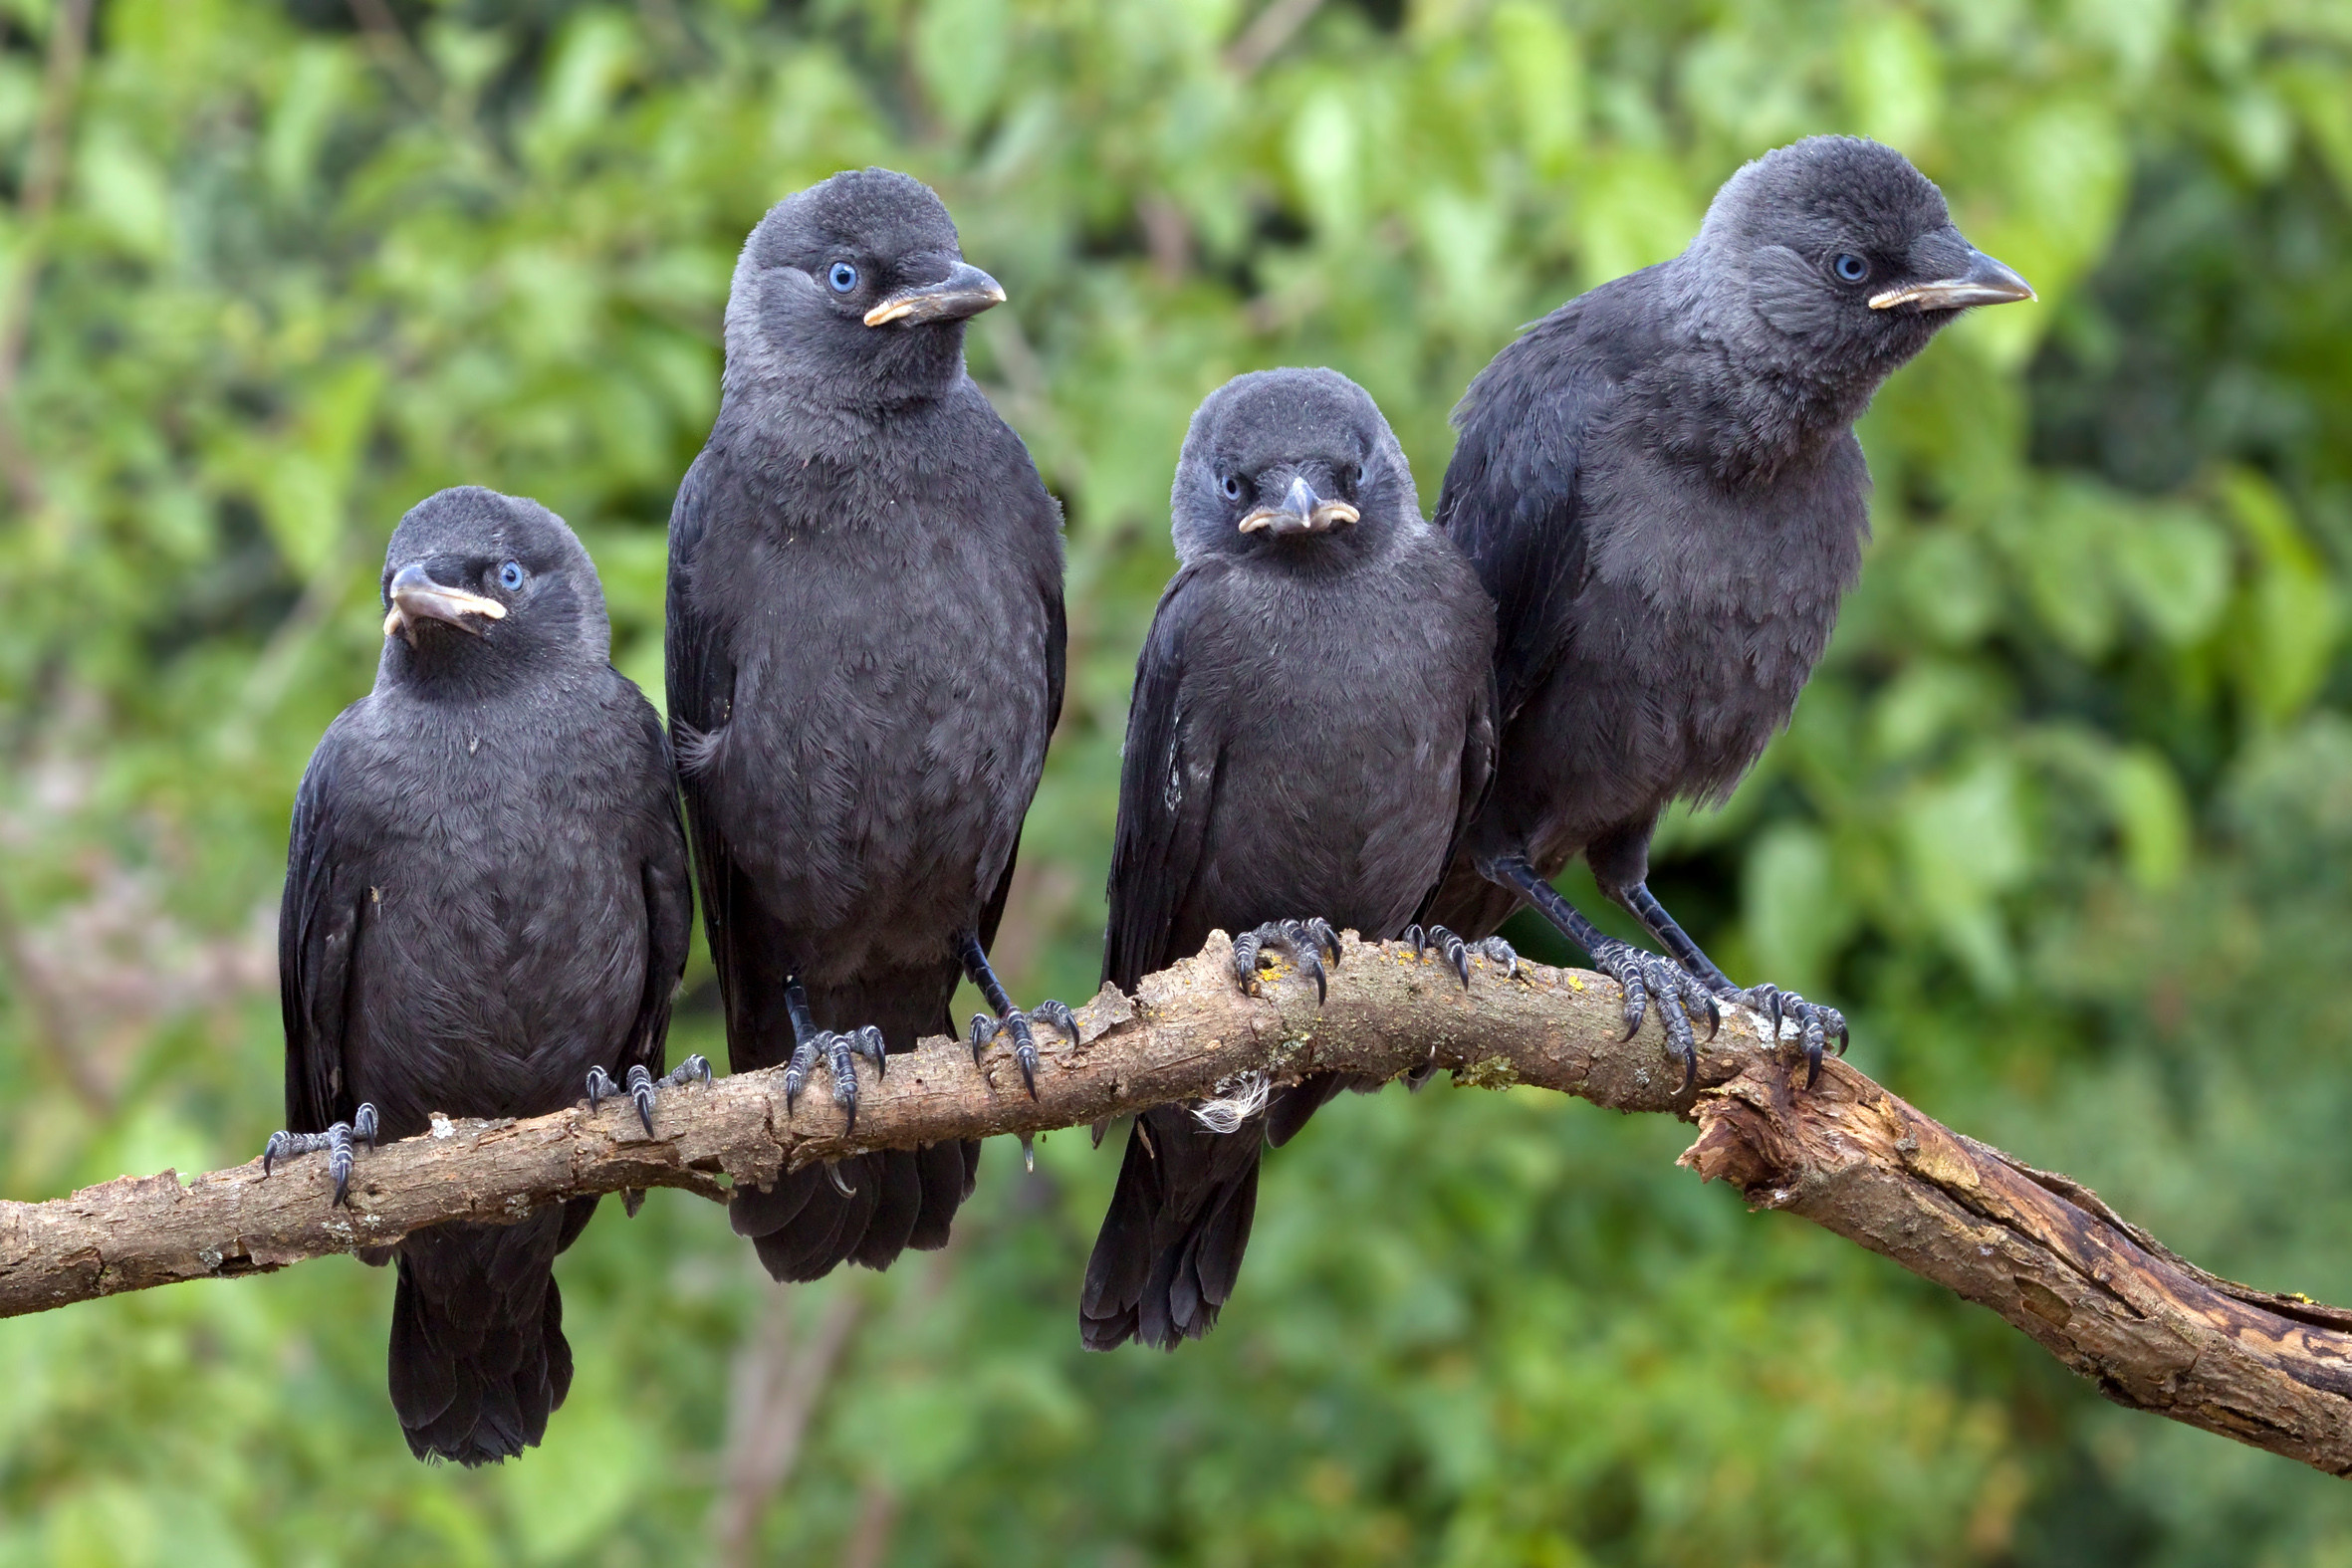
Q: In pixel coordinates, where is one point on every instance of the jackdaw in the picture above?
(486, 909)
(866, 661)
(1312, 723)
(1660, 485)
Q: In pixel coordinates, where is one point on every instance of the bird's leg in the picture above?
(1641, 973)
(335, 1140)
(642, 1085)
(837, 1050)
(1458, 952)
(1008, 1019)
(1815, 1023)
(1303, 942)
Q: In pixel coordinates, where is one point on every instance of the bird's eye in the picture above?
(842, 277)
(510, 575)
(1232, 486)
(1852, 268)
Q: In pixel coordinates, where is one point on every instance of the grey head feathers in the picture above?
(1289, 461)
(852, 295)
(482, 589)
(1822, 267)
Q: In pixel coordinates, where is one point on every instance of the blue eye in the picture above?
(1232, 488)
(844, 276)
(1852, 268)
(510, 575)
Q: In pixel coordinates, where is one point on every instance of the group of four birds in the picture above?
(1344, 717)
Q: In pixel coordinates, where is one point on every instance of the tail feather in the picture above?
(1170, 1248)
(478, 1358)
(804, 1226)
(1169, 1253)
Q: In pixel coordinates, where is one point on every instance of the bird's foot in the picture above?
(1815, 1023)
(1303, 942)
(1457, 953)
(1645, 974)
(839, 1054)
(335, 1140)
(986, 1027)
(642, 1085)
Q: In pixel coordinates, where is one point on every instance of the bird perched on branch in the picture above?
(1311, 724)
(866, 661)
(486, 911)
(1660, 486)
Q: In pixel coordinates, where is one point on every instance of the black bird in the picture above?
(1660, 485)
(486, 907)
(866, 661)
(1311, 725)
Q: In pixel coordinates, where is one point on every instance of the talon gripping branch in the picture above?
(486, 908)
(865, 660)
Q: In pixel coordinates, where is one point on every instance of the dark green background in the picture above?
(2065, 821)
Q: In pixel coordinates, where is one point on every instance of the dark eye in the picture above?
(1852, 268)
(510, 575)
(844, 276)
(1232, 486)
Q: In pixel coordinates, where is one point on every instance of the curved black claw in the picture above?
(1060, 1015)
(1459, 953)
(839, 1054)
(1815, 1023)
(640, 1083)
(1304, 942)
(642, 1087)
(987, 1026)
(1645, 974)
(335, 1140)
(1450, 947)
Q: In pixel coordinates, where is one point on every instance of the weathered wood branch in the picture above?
(2152, 1331)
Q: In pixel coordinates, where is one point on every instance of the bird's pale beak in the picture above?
(416, 596)
(965, 292)
(1302, 512)
(1984, 282)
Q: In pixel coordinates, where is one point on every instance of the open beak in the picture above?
(965, 292)
(1985, 281)
(1302, 512)
(416, 596)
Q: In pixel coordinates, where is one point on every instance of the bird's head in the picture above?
(855, 290)
(1289, 460)
(480, 588)
(1834, 258)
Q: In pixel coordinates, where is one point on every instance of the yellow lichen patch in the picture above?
(1490, 1072)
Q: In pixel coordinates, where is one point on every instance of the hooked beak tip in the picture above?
(416, 596)
(964, 293)
(1985, 281)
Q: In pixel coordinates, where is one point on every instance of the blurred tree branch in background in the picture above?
(2153, 1332)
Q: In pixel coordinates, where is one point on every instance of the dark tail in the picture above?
(805, 1225)
(1170, 1248)
(478, 1355)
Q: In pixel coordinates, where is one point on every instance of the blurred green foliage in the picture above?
(2065, 820)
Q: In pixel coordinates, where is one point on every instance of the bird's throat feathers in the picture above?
(1740, 395)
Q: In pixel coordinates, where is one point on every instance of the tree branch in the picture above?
(2152, 1331)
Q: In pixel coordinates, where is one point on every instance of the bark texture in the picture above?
(2152, 1331)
